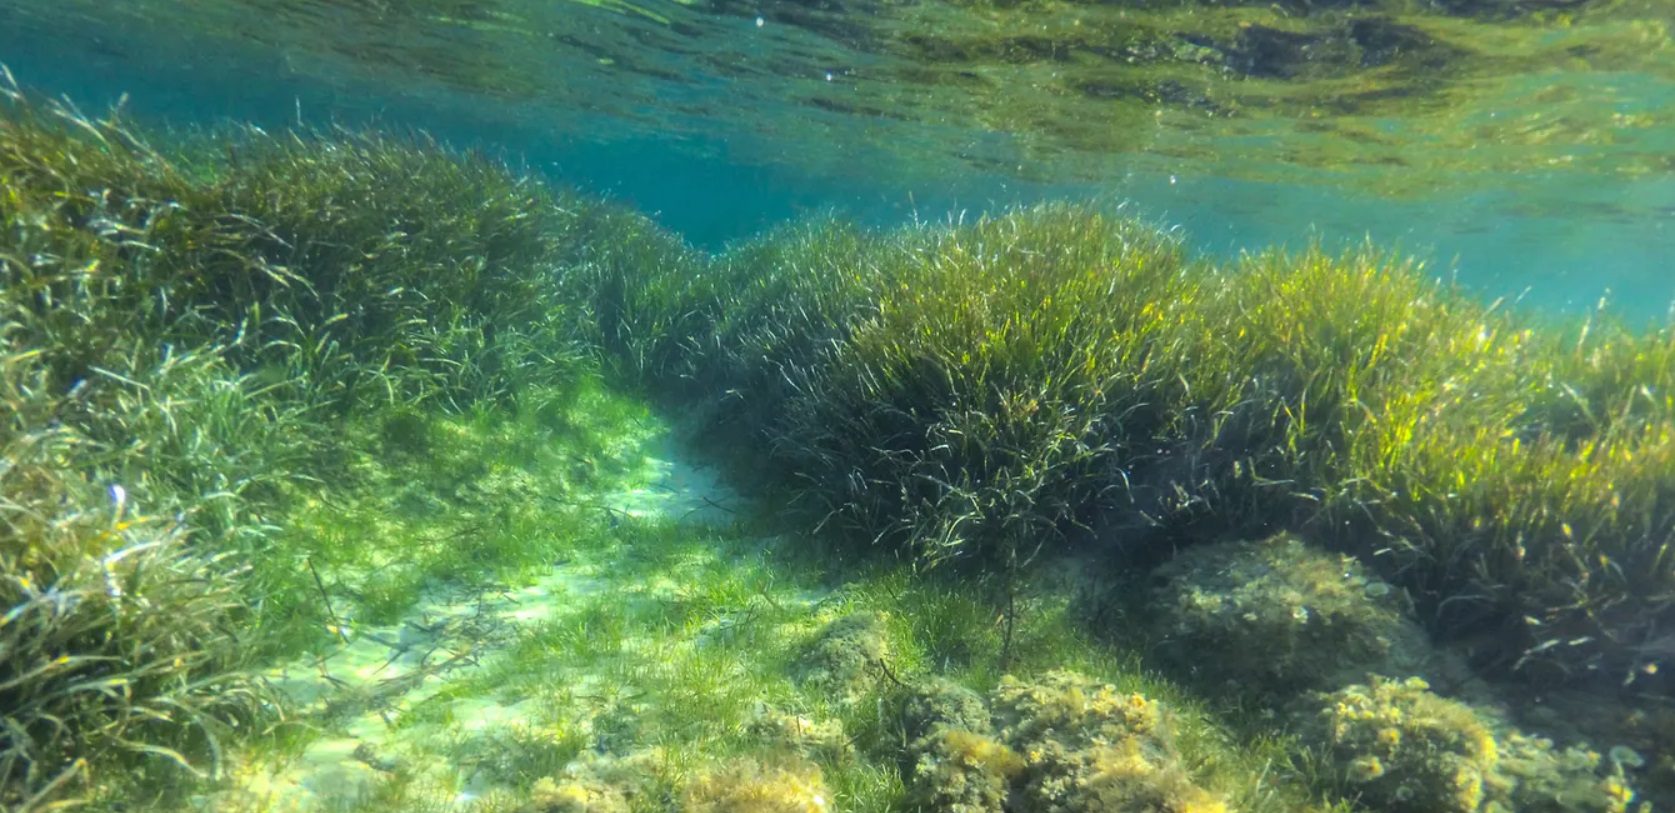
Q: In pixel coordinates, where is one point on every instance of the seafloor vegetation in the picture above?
(272, 398)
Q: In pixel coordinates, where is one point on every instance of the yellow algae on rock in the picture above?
(748, 786)
(594, 783)
(957, 764)
(849, 651)
(1408, 750)
(576, 796)
(806, 737)
(1123, 778)
(979, 751)
(1073, 707)
(1092, 749)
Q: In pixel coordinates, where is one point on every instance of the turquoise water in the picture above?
(701, 116)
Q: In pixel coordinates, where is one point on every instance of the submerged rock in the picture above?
(1064, 743)
(1091, 749)
(1281, 618)
(941, 704)
(748, 786)
(1404, 749)
(847, 655)
(577, 795)
(594, 783)
(955, 763)
(804, 736)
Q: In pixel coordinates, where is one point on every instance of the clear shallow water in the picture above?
(1525, 146)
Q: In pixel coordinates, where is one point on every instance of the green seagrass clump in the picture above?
(987, 391)
(183, 330)
(118, 639)
(972, 413)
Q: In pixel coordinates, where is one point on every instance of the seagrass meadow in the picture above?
(1003, 483)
